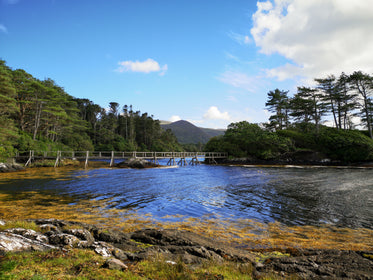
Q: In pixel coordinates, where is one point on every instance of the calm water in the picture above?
(293, 196)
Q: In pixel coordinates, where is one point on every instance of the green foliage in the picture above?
(345, 145)
(6, 151)
(342, 145)
(244, 139)
(40, 115)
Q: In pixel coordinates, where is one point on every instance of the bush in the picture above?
(345, 145)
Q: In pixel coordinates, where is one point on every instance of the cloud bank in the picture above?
(318, 37)
(146, 66)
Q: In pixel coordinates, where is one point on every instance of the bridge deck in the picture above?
(112, 155)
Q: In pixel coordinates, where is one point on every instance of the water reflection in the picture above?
(291, 196)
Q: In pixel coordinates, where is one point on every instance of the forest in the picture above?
(326, 119)
(40, 115)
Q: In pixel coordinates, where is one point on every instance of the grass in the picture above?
(85, 264)
(20, 224)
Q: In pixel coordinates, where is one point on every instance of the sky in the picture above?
(211, 62)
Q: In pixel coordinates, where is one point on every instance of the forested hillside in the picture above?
(39, 115)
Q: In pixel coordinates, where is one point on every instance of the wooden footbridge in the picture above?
(180, 158)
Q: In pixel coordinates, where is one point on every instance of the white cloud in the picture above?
(3, 29)
(213, 113)
(174, 119)
(239, 80)
(147, 66)
(319, 37)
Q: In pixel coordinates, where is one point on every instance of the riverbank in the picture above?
(300, 158)
(180, 253)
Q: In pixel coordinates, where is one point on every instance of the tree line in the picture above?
(342, 98)
(296, 127)
(39, 114)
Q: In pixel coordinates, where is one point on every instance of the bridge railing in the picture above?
(117, 154)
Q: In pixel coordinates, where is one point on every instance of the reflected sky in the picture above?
(293, 196)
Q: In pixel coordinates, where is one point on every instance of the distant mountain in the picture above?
(188, 133)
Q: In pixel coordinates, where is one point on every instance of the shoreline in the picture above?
(189, 248)
(79, 165)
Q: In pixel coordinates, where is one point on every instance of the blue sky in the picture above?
(210, 62)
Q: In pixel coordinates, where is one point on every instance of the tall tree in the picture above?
(331, 98)
(363, 84)
(306, 105)
(346, 101)
(278, 103)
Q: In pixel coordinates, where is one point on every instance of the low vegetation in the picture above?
(85, 264)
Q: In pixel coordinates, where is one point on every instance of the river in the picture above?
(291, 196)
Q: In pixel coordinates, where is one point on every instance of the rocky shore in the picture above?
(120, 249)
(10, 167)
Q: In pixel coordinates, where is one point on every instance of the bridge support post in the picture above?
(112, 158)
(58, 159)
(86, 159)
(30, 158)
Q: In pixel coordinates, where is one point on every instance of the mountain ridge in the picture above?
(188, 133)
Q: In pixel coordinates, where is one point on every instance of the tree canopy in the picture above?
(296, 123)
(39, 114)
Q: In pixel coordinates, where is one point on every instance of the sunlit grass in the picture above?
(85, 264)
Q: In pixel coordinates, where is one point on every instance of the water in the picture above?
(293, 196)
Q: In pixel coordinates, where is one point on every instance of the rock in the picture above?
(323, 264)
(82, 234)
(135, 163)
(66, 240)
(10, 167)
(110, 236)
(2, 223)
(115, 264)
(49, 227)
(10, 242)
(103, 249)
(119, 254)
(29, 234)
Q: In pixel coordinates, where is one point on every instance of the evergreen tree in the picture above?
(363, 84)
(278, 103)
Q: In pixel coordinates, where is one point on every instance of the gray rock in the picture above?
(82, 234)
(10, 167)
(10, 242)
(2, 223)
(49, 227)
(29, 234)
(102, 248)
(66, 240)
(115, 264)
